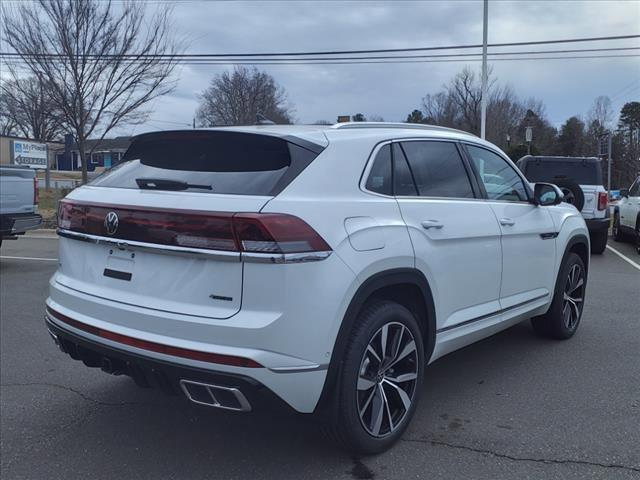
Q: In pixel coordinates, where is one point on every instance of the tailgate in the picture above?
(151, 260)
(16, 190)
(590, 200)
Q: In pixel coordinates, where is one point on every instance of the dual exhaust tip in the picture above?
(227, 398)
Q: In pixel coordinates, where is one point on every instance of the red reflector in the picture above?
(157, 347)
(603, 200)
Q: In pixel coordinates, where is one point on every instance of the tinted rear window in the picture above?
(227, 162)
(583, 173)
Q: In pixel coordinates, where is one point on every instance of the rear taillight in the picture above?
(275, 233)
(602, 200)
(236, 232)
(36, 197)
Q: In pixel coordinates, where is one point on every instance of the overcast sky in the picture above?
(321, 92)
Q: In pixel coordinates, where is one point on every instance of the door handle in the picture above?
(507, 222)
(428, 224)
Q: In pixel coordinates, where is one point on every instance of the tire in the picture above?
(618, 236)
(638, 235)
(364, 388)
(563, 317)
(573, 194)
(599, 242)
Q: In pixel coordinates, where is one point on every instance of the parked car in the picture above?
(320, 267)
(626, 215)
(18, 201)
(580, 180)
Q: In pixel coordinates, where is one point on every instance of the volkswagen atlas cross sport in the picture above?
(322, 268)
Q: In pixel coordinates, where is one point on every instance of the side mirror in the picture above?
(624, 192)
(545, 194)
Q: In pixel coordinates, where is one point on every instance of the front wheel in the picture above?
(565, 312)
(381, 378)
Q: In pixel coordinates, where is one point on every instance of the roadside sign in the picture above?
(603, 145)
(30, 154)
(528, 134)
(344, 118)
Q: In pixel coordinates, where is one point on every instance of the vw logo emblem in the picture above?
(111, 223)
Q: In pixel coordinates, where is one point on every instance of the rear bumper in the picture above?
(153, 373)
(596, 225)
(15, 224)
(298, 389)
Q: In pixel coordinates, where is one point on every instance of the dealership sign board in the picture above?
(30, 154)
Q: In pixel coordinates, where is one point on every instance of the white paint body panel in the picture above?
(289, 315)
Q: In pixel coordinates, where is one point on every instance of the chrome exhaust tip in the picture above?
(227, 398)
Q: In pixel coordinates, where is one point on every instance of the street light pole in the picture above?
(483, 107)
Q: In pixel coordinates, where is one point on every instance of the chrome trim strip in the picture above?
(151, 247)
(492, 314)
(299, 369)
(280, 258)
(245, 406)
(222, 255)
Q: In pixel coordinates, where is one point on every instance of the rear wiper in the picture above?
(166, 184)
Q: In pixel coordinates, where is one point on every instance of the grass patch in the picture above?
(48, 205)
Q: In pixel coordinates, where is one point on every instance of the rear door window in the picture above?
(437, 169)
(211, 162)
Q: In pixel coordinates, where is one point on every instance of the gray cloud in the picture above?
(392, 90)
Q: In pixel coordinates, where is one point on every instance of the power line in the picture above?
(346, 52)
(383, 57)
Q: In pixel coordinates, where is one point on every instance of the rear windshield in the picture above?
(210, 162)
(583, 173)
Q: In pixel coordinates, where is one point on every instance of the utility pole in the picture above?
(483, 106)
(609, 162)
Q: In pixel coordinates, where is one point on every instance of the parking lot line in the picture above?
(29, 258)
(624, 257)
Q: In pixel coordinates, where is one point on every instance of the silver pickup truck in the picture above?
(18, 201)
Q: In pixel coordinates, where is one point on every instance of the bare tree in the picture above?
(31, 109)
(602, 112)
(102, 65)
(8, 125)
(237, 97)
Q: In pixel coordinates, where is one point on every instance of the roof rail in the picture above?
(399, 125)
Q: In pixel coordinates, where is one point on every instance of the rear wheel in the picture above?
(563, 317)
(638, 235)
(381, 379)
(599, 242)
(618, 236)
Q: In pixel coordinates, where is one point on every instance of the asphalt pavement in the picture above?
(511, 406)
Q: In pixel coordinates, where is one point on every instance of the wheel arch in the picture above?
(407, 286)
(578, 244)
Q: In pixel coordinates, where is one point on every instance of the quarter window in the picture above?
(437, 169)
(634, 191)
(379, 180)
(499, 178)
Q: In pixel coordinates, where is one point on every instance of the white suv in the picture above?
(626, 215)
(318, 267)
